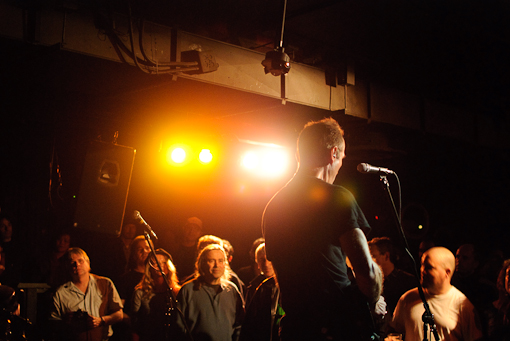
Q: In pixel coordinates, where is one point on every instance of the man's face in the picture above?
(465, 262)
(213, 265)
(265, 266)
(79, 265)
(129, 231)
(376, 255)
(6, 228)
(433, 273)
(63, 242)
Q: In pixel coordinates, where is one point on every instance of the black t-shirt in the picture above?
(302, 225)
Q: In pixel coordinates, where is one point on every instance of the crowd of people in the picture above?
(314, 276)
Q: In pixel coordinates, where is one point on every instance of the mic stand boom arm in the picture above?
(428, 317)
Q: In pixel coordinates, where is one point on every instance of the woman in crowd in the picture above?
(151, 311)
(499, 315)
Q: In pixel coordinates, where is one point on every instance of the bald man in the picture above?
(454, 315)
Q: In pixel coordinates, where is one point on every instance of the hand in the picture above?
(94, 322)
(380, 307)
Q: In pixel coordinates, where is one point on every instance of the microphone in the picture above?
(367, 168)
(138, 218)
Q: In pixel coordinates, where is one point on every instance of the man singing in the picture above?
(310, 227)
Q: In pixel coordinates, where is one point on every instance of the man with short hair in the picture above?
(88, 305)
(396, 281)
(454, 315)
(311, 226)
(212, 306)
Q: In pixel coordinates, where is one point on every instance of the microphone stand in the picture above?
(171, 300)
(428, 317)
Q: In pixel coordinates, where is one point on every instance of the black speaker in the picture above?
(104, 188)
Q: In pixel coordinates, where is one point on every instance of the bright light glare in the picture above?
(250, 160)
(178, 155)
(274, 162)
(205, 156)
(267, 162)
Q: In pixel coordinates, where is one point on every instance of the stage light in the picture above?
(265, 162)
(250, 160)
(205, 156)
(178, 155)
(277, 62)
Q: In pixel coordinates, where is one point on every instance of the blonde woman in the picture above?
(151, 311)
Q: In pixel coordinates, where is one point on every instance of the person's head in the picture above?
(208, 239)
(128, 231)
(437, 267)
(229, 250)
(166, 263)
(79, 261)
(504, 279)
(211, 264)
(191, 231)
(382, 250)
(152, 276)
(425, 244)
(466, 260)
(321, 143)
(5, 228)
(265, 266)
(254, 247)
(138, 252)
(62, 242)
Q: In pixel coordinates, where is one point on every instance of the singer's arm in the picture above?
(368, 274)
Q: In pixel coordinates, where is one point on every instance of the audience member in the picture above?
(118, 252)
(50, 267)
(85, 307)
(498, 315)
(234, 278)
(184, 252)
(138, 255)
(210, 294)
(152, 307)
(247, 273)
(11, 254)
(263, 308)
(266, 271)
(454, 316)
(467, 279)
(395, 281)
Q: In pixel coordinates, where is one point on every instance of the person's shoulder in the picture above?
(410, 295)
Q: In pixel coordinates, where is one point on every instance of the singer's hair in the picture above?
(199, 265)
(316, 140)
(147, 282)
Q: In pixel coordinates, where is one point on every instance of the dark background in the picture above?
(55, 102)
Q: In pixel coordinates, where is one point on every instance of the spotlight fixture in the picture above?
(277, 62)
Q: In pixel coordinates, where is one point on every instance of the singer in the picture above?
(310, 227)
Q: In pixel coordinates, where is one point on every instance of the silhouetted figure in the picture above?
(247, 273)
(498, 315)
(184, 251)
